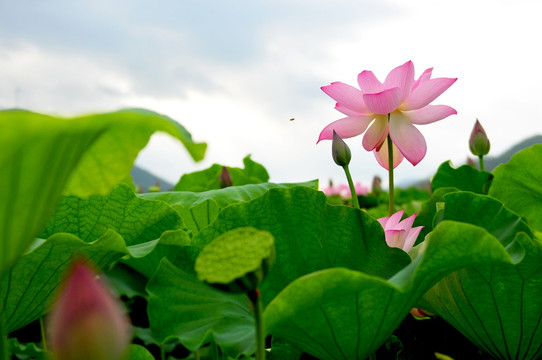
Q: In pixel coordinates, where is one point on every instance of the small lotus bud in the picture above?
(87, 322)
(225, 179)
(340, 151)
(479, 142)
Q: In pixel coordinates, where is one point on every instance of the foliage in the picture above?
(335, 291)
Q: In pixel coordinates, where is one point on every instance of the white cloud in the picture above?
(236, 87)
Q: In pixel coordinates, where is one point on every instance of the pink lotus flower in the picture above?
(87, 322)
(344, 191)
(399, 233)
(405, 99)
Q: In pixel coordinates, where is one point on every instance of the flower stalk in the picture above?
(4, 354)
(355, 202)
(341, 155)
(254, 296)
(390, 171)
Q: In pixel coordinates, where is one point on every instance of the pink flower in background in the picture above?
(87, 322)
(405, 99)
(344, 191)
(337, 190)
(399, 233)
(361, 189)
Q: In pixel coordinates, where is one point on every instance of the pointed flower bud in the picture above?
(340, 151)
(87, 322)
(225, 179)
(479, 142)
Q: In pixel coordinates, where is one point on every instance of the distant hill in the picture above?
(144, 179)
(491, 162)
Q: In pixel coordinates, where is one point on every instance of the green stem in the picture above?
(355, 202)
(481, 158)
(162, 352)
(256, 300)
(43, 336)
(4, 354)
(214, 351)
(390, 171)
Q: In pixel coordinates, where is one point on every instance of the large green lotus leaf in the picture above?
(497, 306)
(199, 209)
(310, 235)
(429, 209)
(137, 352)
(518, 184)
(136, 220)
(209, 179)
(151, 229)
(486, 212)
(199, 216)
(42, 156)
(222, 197)
(38, 154)
(346, 314)
(27, 350)
(111, 158)
(29, 287)
(281, 349)
(181, 305)
(465, 178)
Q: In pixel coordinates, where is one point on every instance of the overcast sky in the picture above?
(235, 72)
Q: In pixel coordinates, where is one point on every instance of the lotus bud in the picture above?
(479, 142)
(340, 151)
(87, 322)
(225, 179)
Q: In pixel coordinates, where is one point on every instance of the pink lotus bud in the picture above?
(225, 179)
(87, 322)
(399, 233)
(479, 142)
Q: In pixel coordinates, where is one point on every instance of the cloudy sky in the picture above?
(234, 72)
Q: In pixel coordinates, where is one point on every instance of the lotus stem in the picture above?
(43, 336)
(355, 201)
(481, 160)
(390, 170)
(4, 354)
(254, 296)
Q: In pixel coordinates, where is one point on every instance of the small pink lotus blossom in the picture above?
(87, 322)
(419, 313)
(399, 233)
(344, 190)
(404, 98)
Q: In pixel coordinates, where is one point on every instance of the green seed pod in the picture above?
(237, 261)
